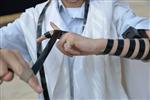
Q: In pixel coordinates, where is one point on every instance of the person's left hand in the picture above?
(12, 62)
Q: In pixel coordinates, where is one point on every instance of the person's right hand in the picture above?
(73, 44)
(12, 62)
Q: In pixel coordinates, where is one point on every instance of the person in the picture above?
(79, 77)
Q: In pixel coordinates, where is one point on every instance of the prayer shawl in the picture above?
(95, 77)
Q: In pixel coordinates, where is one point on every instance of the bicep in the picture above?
(124, 17)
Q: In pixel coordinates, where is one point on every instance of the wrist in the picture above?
(100, 45)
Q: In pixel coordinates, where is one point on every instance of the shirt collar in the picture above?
(80, 13)
(60, 4)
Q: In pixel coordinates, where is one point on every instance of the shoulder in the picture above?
(37, 9)
(32, 13)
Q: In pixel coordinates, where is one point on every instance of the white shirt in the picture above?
(73, 17)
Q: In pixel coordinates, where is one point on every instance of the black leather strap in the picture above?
(44, 83)
(109, 46)
(142, 33)
(133, 33)
(131, 48)
(39, 50)
(86, 11)
(48, 35)
(120, 47)
(141, 49)
(38, 64)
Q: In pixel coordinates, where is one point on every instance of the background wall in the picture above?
(18, 90)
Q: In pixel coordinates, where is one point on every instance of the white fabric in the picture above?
(95, 77)
(72, 17)
(137, 74)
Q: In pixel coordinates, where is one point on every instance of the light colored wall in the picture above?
(141, 7)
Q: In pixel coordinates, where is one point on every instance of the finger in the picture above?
(45, 36)
(14, 63)
(18, 65)
(30, 77)
(3, 68)
(9, 76)
(33, 82)
(62, 41)
(55, 27)
(40, 39)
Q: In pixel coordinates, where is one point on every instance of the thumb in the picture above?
(34, 84)
(55, 27)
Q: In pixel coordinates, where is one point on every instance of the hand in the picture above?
(73, 44)
(12, 62)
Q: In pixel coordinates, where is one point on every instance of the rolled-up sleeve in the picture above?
(124, 17)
